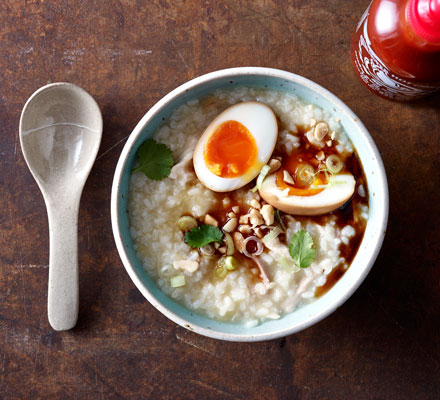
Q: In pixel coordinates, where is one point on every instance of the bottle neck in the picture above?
(422, 22)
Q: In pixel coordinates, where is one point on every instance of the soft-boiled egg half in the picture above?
(338, 191)
(298, 189)
(235, 146)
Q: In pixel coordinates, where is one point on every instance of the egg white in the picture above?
(331, 198)
(261, 122)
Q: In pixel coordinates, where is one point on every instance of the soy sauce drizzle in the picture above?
(348, 214)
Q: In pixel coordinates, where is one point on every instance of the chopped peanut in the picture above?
(236, 209)
(333, 135)
(311, 138)
(274, 165)
(245, 229)
(320, 131)
(255, 218)
(256, 204)
(226, 201)
(244, 219)
(329, 143)
(288, 178)
(268, 213)
(210, 220)
(222, 250)
(186, 265)
(231, 215)
(320, 155)
(230, 225)
(258, 233)
(238, 241)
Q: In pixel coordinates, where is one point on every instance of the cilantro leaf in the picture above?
(301, 248)
(155, 160)
(203, 235)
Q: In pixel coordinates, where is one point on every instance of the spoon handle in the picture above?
(63, 291)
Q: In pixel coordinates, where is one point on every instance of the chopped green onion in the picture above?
(288, 265)
(334, 164)
(186, 223)
(280, 220)
(272, 235)
(229, 243)
(261, 177)
(221, 272)
(230, 263)
(304, 174)
(177, 281)
(315, 187)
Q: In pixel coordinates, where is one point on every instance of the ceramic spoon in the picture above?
(60, 133)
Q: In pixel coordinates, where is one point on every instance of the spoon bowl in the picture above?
(60, 133)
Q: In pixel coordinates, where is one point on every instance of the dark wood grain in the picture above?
(383, 343)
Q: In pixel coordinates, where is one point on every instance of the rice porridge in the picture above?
(250, 274)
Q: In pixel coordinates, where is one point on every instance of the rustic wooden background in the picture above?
(381, 344)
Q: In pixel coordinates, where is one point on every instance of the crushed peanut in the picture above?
(245, 229)
(329, 143)
(255, 204)
(320, 131)
(222, 250)
(231, 214)
(236, 209)
(320, 155)
(274, 165)
(255, 218)
(230, 225)
(209, 220)
(288, 178)
(244, 219)
(333, 135)
(238, 241)
(258, 233)
(311, 138)
(186, 265)
(268, 213)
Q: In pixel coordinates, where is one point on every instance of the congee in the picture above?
(246, 204)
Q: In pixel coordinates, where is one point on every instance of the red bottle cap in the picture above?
(424, 18)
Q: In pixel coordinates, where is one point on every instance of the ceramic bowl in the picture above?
(303, 316)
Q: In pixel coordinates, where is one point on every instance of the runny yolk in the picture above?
(230, 151)
(291, 165)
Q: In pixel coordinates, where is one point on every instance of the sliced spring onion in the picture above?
(280, 220)
(230, 263)
(229, 244)
(272, 235)
(221, 272)
(177, 281)
(334, 164)
(186, 223)
(261, 177)
(305, 174)
(255, 242)
(288, 264)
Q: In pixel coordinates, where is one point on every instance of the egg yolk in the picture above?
(230, 151)
(292, 165)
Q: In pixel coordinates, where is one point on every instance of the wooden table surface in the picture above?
(383, 343)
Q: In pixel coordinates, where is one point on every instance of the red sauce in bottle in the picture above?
(395, 49)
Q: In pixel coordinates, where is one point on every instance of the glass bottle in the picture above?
(395, 49)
